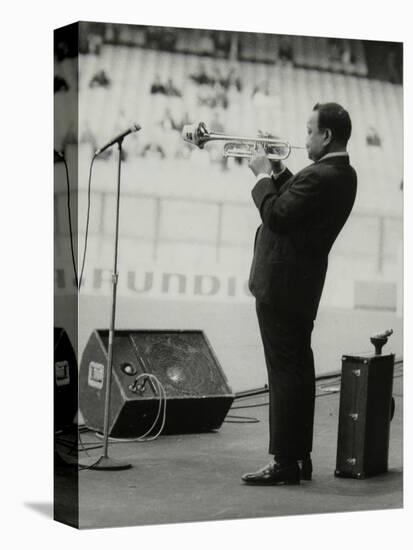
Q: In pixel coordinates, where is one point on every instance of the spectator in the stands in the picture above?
(99, 79)
(60, 84)
(285, 50)
(168, 89)
(230, 79)
(151, 37)
(157, 138)
(206, 44)
(169, 136)
(160, 38)
(235, 79)
(334, 49)
(222, 43)
(205, 97)
(171, 89)
(220, 96)
(61, 50)
(372, 137)
(221, 78)
(157, 86)
(260, 93)
(95, 42)
(168, 39)
(213, 97)
(392, 67)
(153, 149)
(202, 77)
(337, 54)
(346, 55)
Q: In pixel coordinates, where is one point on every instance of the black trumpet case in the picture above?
(366, 409)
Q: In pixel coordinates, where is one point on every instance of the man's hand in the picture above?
(259, 164)
(276, 165)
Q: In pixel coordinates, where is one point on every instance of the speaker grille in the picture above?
(183, 362)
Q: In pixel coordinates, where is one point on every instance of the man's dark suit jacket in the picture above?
(301, 218)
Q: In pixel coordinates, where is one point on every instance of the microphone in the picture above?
(117, 139)
(58, 155)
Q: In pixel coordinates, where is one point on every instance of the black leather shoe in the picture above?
(275, 474)
(306, 469)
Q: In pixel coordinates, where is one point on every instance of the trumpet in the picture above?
(235, 146)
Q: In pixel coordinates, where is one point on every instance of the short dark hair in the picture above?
(334, 117)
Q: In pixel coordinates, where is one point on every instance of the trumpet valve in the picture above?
(238, 150)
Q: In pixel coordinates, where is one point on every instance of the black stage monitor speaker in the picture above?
(197, 393)
(364, 416)
(65, 380)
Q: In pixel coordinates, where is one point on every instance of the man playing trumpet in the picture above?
(301, 215)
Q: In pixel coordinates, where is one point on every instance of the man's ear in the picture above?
(328, 136)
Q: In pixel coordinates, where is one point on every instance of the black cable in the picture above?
(322, 394)
(85, 467)
(82, 445)
(64, 443)
(70, 217)
(245, 419)
(74, 448)
(251, 406)
(84, 429)
(240, 419)
(87, 219)
(91, 448)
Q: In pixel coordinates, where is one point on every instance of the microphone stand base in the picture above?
(107, 463)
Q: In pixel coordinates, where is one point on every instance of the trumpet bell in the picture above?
(196, 134)
(275, 151)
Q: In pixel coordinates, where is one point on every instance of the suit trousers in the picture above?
(291, 380)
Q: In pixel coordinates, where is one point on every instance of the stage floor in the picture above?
(196, 477)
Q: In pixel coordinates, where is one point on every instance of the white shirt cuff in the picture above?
(262, 175)
(278, 174)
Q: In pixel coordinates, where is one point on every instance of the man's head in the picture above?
(328, 130)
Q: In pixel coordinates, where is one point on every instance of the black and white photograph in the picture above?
(228, 274)
(206, 302)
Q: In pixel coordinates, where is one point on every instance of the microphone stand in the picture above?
(105, 462)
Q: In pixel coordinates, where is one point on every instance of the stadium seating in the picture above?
(159, 209)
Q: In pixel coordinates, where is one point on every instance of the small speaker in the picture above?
(198, 396)
(65, 380)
